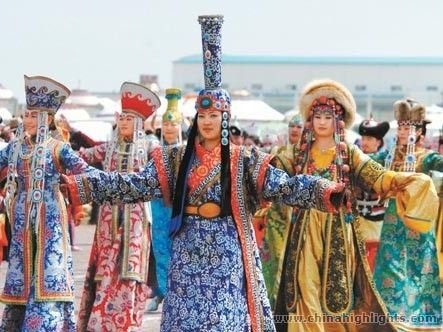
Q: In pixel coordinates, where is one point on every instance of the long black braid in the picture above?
(180, 185)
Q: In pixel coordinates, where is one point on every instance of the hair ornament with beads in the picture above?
(320, 97)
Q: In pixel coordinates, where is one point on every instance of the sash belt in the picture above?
(206, 210)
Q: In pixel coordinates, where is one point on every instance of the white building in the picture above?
(376, 82)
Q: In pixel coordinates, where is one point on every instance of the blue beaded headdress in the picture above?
(213, 97)
(44, 94)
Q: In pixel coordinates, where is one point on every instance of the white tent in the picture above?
(109, 105)
(82, 98)
(109, 110)
(241, 110)
(5, 93)
(73, 113)
(100, 131)
(5, 114)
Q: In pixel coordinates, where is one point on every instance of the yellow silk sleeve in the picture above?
(417, 203)
(415, 196)
(367, 171)
(416, 199)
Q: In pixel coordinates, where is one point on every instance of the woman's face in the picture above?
(126, 123)
(170, 131)
(294, 133)
(209, 125)
(403, 134)
(323, 123)
(30, 122)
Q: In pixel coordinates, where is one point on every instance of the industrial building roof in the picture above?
(311, 60)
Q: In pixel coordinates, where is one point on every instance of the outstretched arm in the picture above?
(270, 183)
(415, 196)
(100, 187)
(303, 191)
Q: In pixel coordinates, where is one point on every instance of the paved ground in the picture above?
(84, 234)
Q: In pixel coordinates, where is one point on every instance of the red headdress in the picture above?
(138, 99)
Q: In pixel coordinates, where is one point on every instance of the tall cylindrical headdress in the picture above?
(211, 42)
(211, 98)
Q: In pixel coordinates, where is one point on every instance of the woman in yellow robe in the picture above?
(327, 283)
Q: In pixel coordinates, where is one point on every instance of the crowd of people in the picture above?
(227, 232)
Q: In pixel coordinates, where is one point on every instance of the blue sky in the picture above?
(98, 44)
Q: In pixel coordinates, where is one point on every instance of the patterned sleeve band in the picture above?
(304, 191)
(113, 187)
(78, 189)
(328, 196)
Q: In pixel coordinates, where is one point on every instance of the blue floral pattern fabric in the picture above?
(39, 316)
(206, 278)
(39, 285)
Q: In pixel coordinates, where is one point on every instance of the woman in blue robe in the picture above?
(38, 290)
(215, 282)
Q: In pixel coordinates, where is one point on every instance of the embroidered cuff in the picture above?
(328, 196)
(78, 188)
(157, 156)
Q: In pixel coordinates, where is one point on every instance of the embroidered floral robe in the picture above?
(215, 281)
(116, 284)
(406, 269)
(38, 289)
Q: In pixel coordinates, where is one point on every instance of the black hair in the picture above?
(180, 184)
(423, 132)
(158, 133)
(382, 143)
(225, 178)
